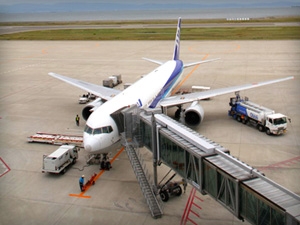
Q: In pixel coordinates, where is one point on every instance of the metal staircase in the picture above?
(132, 141)
(140, 172)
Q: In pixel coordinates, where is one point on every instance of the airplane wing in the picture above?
(102, 92)
(200, 62)
(185, 65)
(182, 99)
(153, 61)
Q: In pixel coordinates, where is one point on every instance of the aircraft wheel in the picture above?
(102, 165)
(164, 195)
(177, 114)
(108, 165)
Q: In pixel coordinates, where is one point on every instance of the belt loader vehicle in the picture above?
(59, 160)
(263, 118)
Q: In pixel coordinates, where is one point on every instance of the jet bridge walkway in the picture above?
(210, 168)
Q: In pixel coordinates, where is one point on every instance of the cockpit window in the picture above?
(104, 130)
(110, 129)
(97, 131)
(89, 130)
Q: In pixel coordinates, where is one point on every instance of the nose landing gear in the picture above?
(105, 163)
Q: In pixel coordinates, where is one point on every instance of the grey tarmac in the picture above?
(32, 101)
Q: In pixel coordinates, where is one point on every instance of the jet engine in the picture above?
(91, 107)
(194, 114)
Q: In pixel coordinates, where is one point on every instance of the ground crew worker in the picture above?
(184, 185)
(81, 182)
(77, 120)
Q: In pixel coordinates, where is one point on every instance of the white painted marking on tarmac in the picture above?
(20, 68)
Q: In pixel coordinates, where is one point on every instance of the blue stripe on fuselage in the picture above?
(169, 84)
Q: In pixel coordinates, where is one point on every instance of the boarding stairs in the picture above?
(56, 139)
(140, 171)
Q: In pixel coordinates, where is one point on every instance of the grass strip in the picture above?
(213, 33)
(147, 22)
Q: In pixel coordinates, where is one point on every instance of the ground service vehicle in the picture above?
(112, 81)
(263, 118)
(59, 160)
(85, 98)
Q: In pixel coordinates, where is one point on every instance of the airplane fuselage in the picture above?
(101, 133)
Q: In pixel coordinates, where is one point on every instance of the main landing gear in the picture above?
(105, 163)
(179, 113)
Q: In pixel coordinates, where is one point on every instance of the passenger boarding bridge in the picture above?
(208, 167)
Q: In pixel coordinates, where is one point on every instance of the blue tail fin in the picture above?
(177, 41)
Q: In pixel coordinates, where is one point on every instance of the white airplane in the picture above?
(101, 133)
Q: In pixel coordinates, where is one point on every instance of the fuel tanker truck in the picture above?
(261, 117)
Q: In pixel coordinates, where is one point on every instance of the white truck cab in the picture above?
(276, 123)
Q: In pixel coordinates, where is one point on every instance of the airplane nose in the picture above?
(88, 148)
(91, 144)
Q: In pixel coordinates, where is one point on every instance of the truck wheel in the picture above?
(74, 161)
(244, 121)
(268, 132)
(238, 118)
(164, 196)
(260, 128)
(64, 171)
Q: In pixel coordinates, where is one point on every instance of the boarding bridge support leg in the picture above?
(154, 150)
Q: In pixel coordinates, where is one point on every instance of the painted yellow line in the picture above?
(81, 195)
(186, 77)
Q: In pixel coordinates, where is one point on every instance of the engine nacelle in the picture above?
(91, 107)
(194, 114)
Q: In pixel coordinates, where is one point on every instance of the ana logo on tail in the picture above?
(177, 41)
